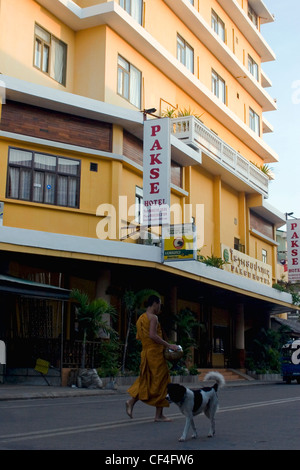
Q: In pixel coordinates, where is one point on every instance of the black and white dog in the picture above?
(194, 402)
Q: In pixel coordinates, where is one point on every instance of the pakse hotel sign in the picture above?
(156, 168)
(243, 265)
(293, 249)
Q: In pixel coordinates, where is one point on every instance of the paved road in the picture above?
(250, 418)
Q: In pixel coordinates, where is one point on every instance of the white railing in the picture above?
(195, 134)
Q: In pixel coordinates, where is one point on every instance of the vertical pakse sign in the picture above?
(156, 167)
(293, 249)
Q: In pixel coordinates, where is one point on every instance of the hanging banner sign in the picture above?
(156, 168)
(179, 242)
(293, 249)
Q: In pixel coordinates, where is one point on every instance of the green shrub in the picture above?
(266, 350)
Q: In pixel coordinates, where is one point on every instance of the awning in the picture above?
(14, 285)
(225, 288)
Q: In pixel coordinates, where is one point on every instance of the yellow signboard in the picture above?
(179, 242)
(42, 366)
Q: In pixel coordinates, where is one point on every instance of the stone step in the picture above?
(228, 374)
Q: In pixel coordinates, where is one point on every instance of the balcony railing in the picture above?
(195, 134)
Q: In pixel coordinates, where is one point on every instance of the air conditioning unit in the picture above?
(149, 239)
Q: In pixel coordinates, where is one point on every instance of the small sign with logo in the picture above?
(179, 242)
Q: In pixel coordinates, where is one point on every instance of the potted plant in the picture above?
(90, 318)
(214, 261)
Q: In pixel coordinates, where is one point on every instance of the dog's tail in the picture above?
(217, 377)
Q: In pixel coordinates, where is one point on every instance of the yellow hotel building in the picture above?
(79, 79)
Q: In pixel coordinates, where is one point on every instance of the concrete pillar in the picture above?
(171, 305)
(242, 220)
(240, 336)
(217, 215)
(103, 282)
(265, 318)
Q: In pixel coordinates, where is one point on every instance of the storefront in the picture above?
(32, 323)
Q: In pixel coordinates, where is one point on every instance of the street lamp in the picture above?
(150, 111)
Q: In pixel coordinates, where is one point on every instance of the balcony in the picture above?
(220, 158)
(118, 19)
(247, 28)
(204, 32)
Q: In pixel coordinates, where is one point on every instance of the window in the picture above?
(253, 16)
(264, 255)
(218, 86)
(50, 55)
(94, 167)
(191, 2)
(38, 177)
(185, 53)
(238, 246)
(134, 8)
(129, 82)
(253, 67)
(254, 121)
(138, 205)
(218, 25)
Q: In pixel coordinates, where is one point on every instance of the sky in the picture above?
(283, 36)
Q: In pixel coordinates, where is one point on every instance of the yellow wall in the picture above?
(95, 190)
(92, 72)
(90, 63)
(117, 46)
(234, 40)
(255, 250)
(229, 215)
(49, 219)
(202, 192)
(157, 87)
(3, 174)
(220, 317)
(256, 247)
(88, 3)
(17, 41)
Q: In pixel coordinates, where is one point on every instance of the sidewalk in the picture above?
(27, 392)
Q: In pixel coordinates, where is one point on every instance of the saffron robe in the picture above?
(151, 385)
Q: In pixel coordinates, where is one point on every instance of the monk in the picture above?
(151, 385)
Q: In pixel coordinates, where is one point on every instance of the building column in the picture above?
(240, 336)
(118, 202)
(173, 305)
(171, 309)
(242, 220)
(265, 320)
(217, 216)
(102, 283)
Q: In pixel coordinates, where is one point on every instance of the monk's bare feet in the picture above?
(129, 407)
(162, 419)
